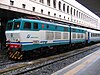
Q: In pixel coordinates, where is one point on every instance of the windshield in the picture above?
(16, 25)
(11, 27)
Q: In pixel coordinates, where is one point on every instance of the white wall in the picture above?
(38, 6)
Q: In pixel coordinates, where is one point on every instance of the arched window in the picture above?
(54, 3)
(48, 2)
(81, 15)
(42, 1)
(67, 9)
(63, 7)
(71, 10)
(74, 12)
(59, 5)
(77, 13)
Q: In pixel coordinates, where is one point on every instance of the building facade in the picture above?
(62, 10)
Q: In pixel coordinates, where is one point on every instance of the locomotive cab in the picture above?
(12, 33)
(20, 35)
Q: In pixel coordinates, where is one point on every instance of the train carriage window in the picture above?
(47, 26)
(55, 27)
(82, 35)
(27, 25)
(35, 25)
(65, 29)
(98, 35)
(16, 25)
(73, 30)
(74, 36)
(42, 26)
(9, 26)
(78, 35)
(91, 34)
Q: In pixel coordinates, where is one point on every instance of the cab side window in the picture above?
(27, 25)
(35, 25)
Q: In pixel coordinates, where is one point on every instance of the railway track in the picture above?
(32, 67)
(6, 64)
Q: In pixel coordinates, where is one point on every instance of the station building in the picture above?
(67, 11)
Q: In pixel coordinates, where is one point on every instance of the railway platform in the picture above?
(89, 65)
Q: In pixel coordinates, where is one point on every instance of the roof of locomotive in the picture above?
(39, 21)
(46, 22)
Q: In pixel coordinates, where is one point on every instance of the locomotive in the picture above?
(25, 37)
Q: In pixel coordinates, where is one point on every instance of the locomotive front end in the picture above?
(13, 40)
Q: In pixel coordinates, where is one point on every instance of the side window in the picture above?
(73, 30)
(78, 35)
(81, 35)
(71, 10)
(35, 25)
(55, 27)
(47, 26)
(27, 25)
(65, 29)
(74, 36)
(42, 25)
(59, 4)
(67, 9)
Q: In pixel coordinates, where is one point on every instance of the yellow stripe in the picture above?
(18, 53)
(14, 54)
(20, 56)
(11, 54)
(15, 57)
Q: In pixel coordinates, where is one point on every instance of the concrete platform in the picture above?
(89, 65)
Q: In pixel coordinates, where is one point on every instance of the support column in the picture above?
(2, 33)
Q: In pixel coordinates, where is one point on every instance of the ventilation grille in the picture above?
(49, 35)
